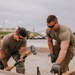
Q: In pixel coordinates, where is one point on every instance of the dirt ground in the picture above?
(40, 60)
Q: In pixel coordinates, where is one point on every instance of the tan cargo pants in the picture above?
(65, 64)
(20, 68)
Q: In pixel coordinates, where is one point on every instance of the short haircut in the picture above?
(21, 31)
(51, 18)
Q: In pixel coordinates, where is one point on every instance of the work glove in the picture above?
(53, 58)
(55, 68)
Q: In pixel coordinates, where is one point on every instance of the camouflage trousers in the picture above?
(65, 64)
(20, 68)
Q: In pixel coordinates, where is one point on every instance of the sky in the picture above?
(32, 14)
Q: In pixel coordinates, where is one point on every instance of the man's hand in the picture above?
(55, 68)
(22, 59)
(53, 58)
(7, 68)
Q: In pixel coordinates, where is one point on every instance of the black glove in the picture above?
(53, 58)
(55, 68)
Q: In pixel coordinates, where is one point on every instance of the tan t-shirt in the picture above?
(64, 33)
(10, 44)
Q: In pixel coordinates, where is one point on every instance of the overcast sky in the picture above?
(33, 13)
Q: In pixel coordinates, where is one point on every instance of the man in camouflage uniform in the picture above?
(13, 44)
(62, 52)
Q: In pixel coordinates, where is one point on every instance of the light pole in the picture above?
(3, 24)
(33, 29)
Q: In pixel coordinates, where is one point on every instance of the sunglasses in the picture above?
(52, 25)
(20, 37)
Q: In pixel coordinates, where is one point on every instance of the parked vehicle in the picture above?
(38, 37)
(29, 35)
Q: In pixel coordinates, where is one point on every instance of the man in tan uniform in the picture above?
(13, 44)
(62, 52)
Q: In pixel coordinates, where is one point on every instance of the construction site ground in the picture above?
(40, 60)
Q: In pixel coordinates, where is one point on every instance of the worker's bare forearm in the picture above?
(3, 57)
(64, 48)
(4, 61)
(50, 45)
(23, 53)
(61, 56)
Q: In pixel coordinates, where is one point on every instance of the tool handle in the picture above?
(11, 67)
